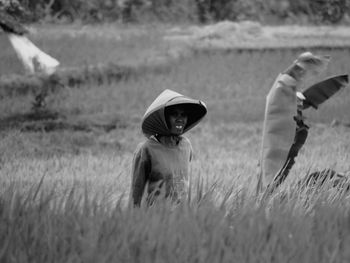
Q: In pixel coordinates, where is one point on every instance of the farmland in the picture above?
(64, 190)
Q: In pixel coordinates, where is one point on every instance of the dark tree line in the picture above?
(203, 11)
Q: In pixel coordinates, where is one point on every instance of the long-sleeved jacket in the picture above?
(160, 167)
(156, 164)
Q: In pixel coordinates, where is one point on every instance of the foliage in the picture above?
(271, 11)
(82, 227)
(320, 11)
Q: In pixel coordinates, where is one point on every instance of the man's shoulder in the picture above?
(149, 142)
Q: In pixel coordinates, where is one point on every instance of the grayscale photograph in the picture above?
(174, 131)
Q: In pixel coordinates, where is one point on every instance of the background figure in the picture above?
(161, 163)
(284, 132)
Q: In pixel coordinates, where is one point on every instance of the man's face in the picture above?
(177, 120)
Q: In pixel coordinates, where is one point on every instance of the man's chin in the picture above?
(177, 132)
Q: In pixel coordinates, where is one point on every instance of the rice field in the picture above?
(64, 191)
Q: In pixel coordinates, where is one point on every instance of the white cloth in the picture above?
(33, 59)
(279, 127)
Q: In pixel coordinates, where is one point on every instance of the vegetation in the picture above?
(65, 171)
(270, 11)
(78, 228)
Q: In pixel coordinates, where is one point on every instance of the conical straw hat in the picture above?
(153, 121)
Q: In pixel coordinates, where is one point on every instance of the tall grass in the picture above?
(84, 228)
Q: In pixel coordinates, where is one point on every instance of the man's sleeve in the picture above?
(190, 148)
(140, 171)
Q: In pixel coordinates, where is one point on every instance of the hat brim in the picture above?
(154, 122)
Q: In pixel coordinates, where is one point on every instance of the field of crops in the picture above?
(65, 178)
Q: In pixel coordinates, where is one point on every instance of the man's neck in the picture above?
(171, 140)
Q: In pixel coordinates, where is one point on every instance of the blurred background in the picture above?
(202, 11)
